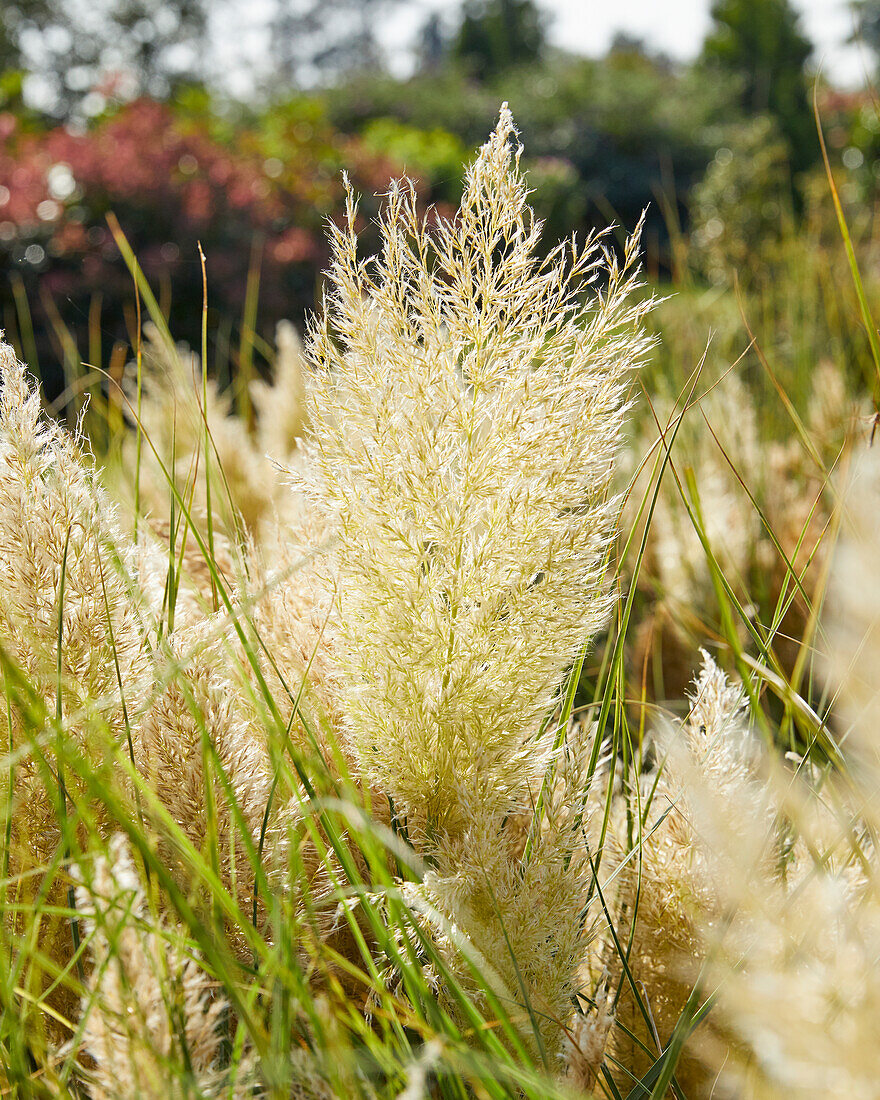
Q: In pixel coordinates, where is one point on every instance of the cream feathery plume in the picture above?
(798, 969)
(801, 983)
(150, 1021)
(674, 890)
(732, 527)
(54, 519)
(587, 1040)
(69, 620)
(290, 594)
(203, 704)
(251, 490)
(853, 619)
(279, 404)
(516, 899)
(465, 409)
(733, 458)
(295, 621)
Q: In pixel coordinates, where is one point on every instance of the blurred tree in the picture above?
(14, 17)
(634, 46)
(17, 17)
(434, 157)
(10, 50)
(79, 52)
(432, 47)
(174, 175)
(496, 35)
(867, 18)
(760, 41)
(313, 40)
(605, 137)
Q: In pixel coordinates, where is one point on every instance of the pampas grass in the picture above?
(149, 1020)
(310, 787)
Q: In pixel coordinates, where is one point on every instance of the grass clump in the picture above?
(297, 801)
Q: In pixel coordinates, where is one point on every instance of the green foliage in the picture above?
(760, 42)
(433, 156)
(11, 85)
(496, 35)
(620, 132)
(10, 54)
(740, 210)
(253, 193)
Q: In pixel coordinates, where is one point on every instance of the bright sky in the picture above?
(676, 27)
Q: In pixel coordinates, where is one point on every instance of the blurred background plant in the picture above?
(136, 108)
(254, 195)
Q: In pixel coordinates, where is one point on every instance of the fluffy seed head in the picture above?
(465, 410)
(149, 1021)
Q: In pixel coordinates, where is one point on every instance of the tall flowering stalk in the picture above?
(466, 409)
(466, 404)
